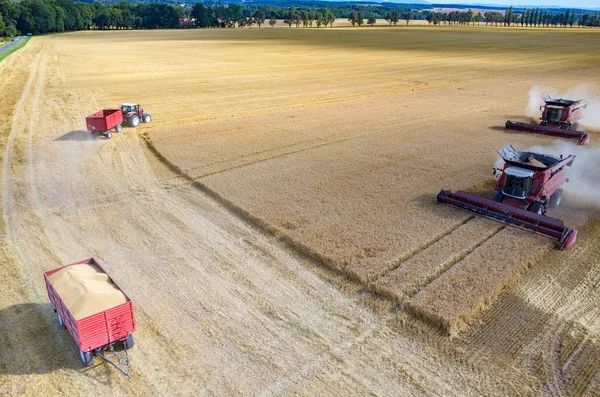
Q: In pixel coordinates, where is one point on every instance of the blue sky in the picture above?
(560, 3)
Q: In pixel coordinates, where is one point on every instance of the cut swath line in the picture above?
(459, 258)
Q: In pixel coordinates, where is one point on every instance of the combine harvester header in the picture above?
(559, 118)
(527, 188)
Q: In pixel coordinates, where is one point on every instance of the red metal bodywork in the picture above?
(545, 182)
(97, 330)
(104, 120)
(559, 118)
(522, 212)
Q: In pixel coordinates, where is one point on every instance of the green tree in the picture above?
(430, 17)
(352, 18)
(583, 21)
(508, 16)
(360, 19)
(259, 17)
(272, 22)
(572, 19)
(289, 18)
(2, 27)
(371, 21)
(204, 16)
(304, 18)
(394, 17)
(566, 18)
(85, 13)
(297, 18)
(407, 17)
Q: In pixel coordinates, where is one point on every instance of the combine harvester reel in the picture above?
(528, 186)
(559, 118)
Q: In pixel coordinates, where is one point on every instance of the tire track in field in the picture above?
(415, 122)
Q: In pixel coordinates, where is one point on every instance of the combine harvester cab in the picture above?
(559, 118)
(528, 186)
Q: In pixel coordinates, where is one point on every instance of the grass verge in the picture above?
(21, 44)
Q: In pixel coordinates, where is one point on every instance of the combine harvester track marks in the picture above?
(452, 300)
(397, 264)
(507, 328)
(291, 153)
(418, 270)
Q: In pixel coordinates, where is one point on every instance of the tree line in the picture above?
(50, 16)
(527, 17)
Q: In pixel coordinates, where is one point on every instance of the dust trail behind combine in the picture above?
(583, 187)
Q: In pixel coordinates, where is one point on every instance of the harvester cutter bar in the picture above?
(540, 224)
(552, 131)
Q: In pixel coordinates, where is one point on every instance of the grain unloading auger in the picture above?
(559, 118)
(528, 186)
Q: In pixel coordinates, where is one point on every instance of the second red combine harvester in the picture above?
(528, 186)
(559, 118)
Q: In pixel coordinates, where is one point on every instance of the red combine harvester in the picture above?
(96, 323)
(528, 186)
(559, 118)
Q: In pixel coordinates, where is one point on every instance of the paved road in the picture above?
(11, 44)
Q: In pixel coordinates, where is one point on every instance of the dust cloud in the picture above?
(583, 187)
(591, 115)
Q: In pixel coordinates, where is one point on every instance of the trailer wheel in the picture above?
(119, 128)
(555, 199)
(129, 342)
(108, 134)
(147, 118)
(498, 197)
(60, 320)
(134, 121)
(87, 358)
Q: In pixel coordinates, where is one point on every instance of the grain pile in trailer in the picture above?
(86, 290)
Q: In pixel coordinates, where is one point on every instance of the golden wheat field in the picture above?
(276, 223)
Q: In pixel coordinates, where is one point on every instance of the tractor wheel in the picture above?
(129, 342)
(119, 128)
(498, 197)
(87, 358)
(134, 121)
(147, 118)
(108, 134)
(555, 199)
(536, 208)
(60, 320)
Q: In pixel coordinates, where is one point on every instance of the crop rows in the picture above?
(464, 291)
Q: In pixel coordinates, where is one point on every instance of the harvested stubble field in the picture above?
(333, 141)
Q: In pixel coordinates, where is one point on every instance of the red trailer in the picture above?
(99, 333)
(103, 121)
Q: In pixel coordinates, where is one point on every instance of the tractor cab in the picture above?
(133, 114)
(128, 108)
(518, 182)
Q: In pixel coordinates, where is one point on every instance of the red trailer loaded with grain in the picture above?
(103, 121)
(95, 310)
